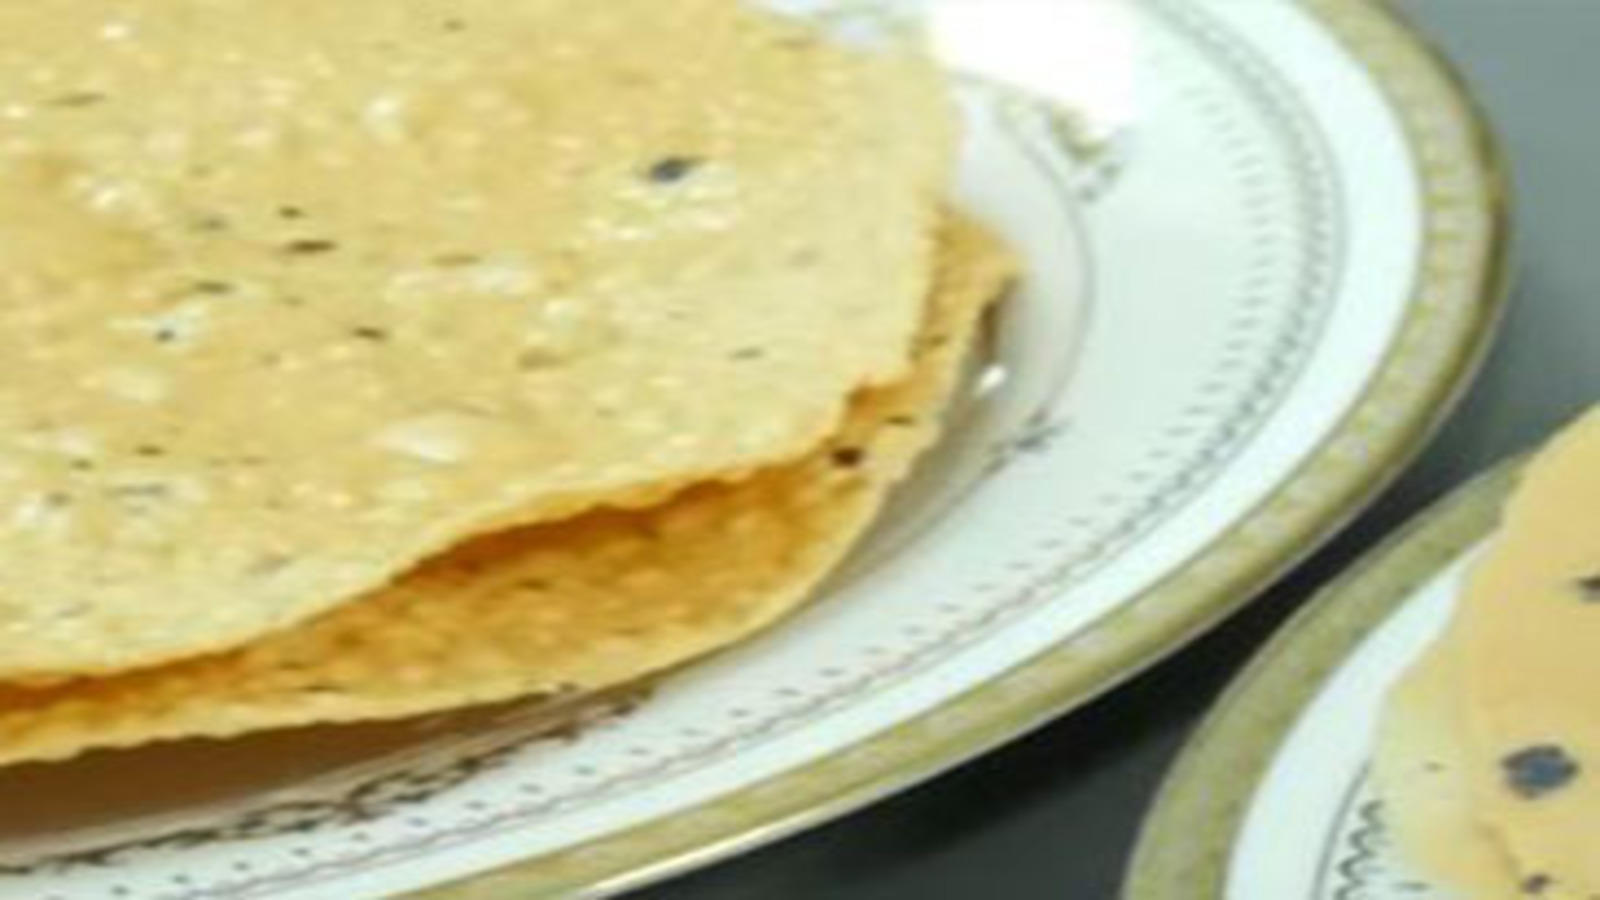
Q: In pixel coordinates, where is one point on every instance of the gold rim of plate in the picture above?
(1425, 372)
(1188, 839)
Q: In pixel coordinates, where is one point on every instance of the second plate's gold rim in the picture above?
(1442, 343)
(1188, 839)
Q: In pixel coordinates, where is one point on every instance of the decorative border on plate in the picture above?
(370, 800)
(555, 718)
(1188, 841)
(1359, 853)
(1352, 870)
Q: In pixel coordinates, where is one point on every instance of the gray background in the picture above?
(1055, 815)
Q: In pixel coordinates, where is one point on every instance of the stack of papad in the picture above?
(365, 360)
(297, 294)
(1489, 757)
(578, 605)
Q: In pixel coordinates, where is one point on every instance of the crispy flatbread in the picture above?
(1489, 752)
(295, 294)
(578, 605)
(1529, 644)
(1421, 771)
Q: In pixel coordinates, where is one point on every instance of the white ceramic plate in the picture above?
(1263, 254)
(1273, 799)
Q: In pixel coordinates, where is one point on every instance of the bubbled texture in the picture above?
(579, 605)
(295, 294)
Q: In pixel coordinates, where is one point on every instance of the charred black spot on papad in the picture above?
(1536, 885)
(211, 224)
(80, 99)
(309, 247)
(1538, 771)
(672, 169)
(1589, 588)
(849, 457)
(212, 286)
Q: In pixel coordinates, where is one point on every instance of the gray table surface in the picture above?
(1055, 815)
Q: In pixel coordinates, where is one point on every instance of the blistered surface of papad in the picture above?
(295, 294)
(578, 605)
(1422, 773)
(1528, 632)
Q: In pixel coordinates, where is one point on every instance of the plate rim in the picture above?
(1225, 759)
(1311, 505)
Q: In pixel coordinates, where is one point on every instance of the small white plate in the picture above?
(1264, 253)
(1273, 799)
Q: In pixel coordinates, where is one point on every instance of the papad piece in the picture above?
(1421, 772)
(296, 294)
(1529, 638)
(580, 605)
